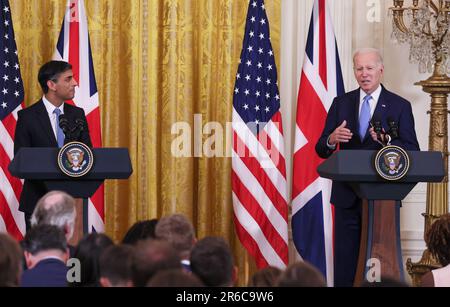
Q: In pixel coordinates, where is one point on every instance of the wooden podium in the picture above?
(35, 163)
(380, 234)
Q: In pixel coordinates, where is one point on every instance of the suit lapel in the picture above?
(44, 121)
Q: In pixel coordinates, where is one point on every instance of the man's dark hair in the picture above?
(88, 251)
(43, 238)
(212, 262)
(115, 263)
(301, 274)
(140, 231)
(151, 256)
(267, 277)
(51, 71)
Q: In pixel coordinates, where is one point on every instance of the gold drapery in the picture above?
(157, 62)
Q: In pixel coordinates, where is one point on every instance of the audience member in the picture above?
(179, 232)
(115, 266)
(151, 256)
(437, 239)
(88, 252)
(140, 231)
(56, 208)
(46, 254)
(10, 261)
(174, 278)
(212, 262)
(267, 277)
(301, 274)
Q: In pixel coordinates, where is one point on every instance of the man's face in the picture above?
(368, 71)
(64, 86)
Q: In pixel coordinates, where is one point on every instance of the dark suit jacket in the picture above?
(34, 130)
(346, 107)
(47, 273)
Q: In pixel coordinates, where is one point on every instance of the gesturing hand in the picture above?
(341, 134)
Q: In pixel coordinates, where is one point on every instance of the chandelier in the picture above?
(425, 27)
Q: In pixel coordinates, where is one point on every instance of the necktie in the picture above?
(59, 133)
(364, 117)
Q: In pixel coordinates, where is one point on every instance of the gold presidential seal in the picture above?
(392, 163)
(75, 159)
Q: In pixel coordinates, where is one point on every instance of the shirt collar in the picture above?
(50, 107)
(375, 95)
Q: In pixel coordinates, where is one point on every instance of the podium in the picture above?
(34, 163)
(380, 233)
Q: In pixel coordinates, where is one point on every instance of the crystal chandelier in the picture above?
(425, 27)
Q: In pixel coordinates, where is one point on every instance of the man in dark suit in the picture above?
(46, 254)
(348, 125)
(38, 125)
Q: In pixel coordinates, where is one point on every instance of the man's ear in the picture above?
(51, 85)
(28, 259)
(104, 282)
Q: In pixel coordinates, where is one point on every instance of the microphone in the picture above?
(393, 128)
(64, 124)
(377, 127)
(78, 127)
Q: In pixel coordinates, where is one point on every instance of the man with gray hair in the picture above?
(179, 232)
(348, 125)
(56, 208)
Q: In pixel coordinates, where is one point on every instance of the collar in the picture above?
(375, 95)
(50, 107)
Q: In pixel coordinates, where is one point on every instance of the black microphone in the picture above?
(377, 127)
(78, 128)
(64, 124)
(393, 128)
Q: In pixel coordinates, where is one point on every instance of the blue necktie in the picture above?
(59, 133)
(364, 117)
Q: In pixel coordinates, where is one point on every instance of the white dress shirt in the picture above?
(50, 108)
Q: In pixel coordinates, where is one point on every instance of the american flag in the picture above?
(258, 166)
(321, 81)
(74, 47)
(11, 101)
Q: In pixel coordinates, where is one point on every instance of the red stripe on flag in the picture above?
(74, 50)
(10, 223)
(322, 44)
(97, 200)
(250, 244)
(254, 209)
(255, 168)
(10, 125)
(15, 183)
(276, 157)
(95, 131)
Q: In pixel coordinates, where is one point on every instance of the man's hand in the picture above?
(340, 135)
(374, 135)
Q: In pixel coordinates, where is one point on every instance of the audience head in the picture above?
(178, 231)
(115, 266)
(56, 208)
(10, 261)
(301, 274)
(267, 277)
(88, 252)
(212, 262)
(140, 231)
(151, 256)
(174, 278)
(43, 241)
(437, 239)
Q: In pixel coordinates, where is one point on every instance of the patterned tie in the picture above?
(364, 117)
(59, 133)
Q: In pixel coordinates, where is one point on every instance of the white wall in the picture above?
(358, 23)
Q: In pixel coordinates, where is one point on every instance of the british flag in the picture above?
(11, 102)
(258, 164)
(321, 81)
(74, 47)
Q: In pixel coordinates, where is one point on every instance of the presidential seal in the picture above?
(75, 159)
(392, 163)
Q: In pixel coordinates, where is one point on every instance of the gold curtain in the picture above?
(157, 62)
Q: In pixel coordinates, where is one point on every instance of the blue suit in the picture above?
(46, 273)
(347, 230)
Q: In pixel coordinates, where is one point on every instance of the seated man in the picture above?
(46, 254)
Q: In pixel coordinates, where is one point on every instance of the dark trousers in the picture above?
(347, 235)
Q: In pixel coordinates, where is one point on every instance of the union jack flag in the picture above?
(321, 81)
(258, 165)
(74, 47)
(11, 102)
